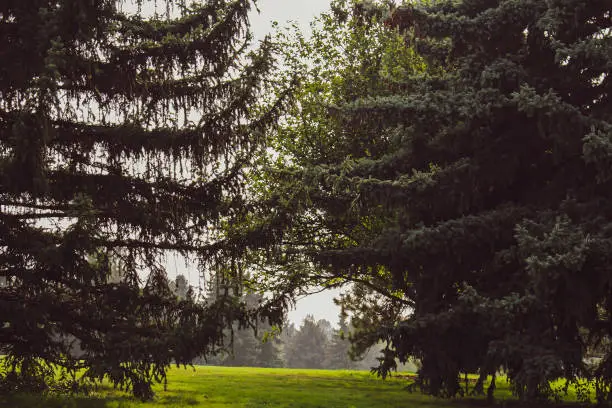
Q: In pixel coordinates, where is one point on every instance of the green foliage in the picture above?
(123, 136)
(343, 59)
(350, 54)
(467, 196)
(338, 349)
(270, 353)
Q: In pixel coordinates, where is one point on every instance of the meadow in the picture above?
(245, 387)
(225, 387)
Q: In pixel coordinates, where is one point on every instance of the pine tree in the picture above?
(181, 287)
(244, 349)
(126, 137)
(270, 352)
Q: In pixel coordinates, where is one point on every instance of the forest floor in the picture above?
(225, 387)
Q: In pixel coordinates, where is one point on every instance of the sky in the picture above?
(302, 12)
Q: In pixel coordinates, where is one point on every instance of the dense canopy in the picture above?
(472, 197)
(124, 131)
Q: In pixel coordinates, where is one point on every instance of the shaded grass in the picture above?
(224, 387)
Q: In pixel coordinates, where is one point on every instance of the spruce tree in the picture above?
(503, 239)
(480, 207)
(123, 136)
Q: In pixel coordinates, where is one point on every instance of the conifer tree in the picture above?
(473, 198)
(181, 287)
(306, 348)
(124, 136)
(270, 353)
(244, 349)
(339, 347)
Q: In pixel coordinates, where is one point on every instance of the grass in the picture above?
(224, 387)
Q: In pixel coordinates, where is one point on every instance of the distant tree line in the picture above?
(314, 344)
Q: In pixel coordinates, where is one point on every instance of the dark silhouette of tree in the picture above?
(181, 286)
(125, 137)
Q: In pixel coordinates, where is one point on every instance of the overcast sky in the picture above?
(300, 11)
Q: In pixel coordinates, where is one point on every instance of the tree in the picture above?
(307, 346)
(286, 338)
(244, 349)
(482, 211)
(351, 54)
(244, 345)
(126, 137)
(181, 286)
(270, 350)
(339, 347)
(326, 327)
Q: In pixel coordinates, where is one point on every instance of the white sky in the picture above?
(300, 11)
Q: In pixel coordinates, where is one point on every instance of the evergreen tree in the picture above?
(244, 344)
(285, 339)
(122, 136)
(307, 346)
(472, 202)
(326, 327)
(244, 349)
(270, 352)
(181, 287)
(339, 347)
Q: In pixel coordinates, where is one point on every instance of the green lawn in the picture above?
(224, 387)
